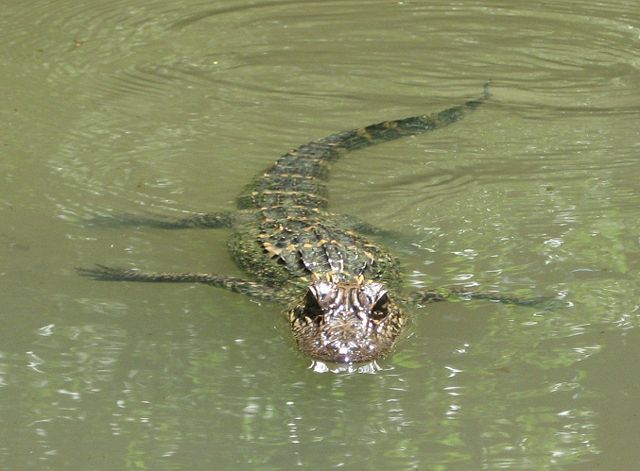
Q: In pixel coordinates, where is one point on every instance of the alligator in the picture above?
(343, 291)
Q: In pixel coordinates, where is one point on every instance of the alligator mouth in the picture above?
(341, 354)
(368, 367)
(342, 344)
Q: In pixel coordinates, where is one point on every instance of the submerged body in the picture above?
(341, 288)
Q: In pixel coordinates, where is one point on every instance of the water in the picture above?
(156, 107)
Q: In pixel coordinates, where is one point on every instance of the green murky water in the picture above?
(169, 107)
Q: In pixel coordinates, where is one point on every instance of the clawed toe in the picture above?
(102, 272)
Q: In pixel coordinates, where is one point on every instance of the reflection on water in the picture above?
(153, 108)
(371, 367)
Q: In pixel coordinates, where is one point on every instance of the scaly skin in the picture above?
(341, 288)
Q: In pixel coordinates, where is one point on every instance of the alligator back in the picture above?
(295, 236)
(288, 251)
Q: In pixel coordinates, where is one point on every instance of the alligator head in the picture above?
(346, 321)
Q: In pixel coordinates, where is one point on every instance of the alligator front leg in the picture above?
(460, 292)
(196, 221)
(238, 285)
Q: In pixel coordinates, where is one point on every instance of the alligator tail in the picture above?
(297, 178)
(390, 130)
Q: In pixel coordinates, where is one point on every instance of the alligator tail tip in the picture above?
(487, 89)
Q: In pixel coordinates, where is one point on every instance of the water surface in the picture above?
(167, 108)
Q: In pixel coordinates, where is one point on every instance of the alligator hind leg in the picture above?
(459, 292)
(196, 221)
(238, 285)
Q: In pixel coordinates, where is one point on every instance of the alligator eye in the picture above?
(380, 309)
(311, 308)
